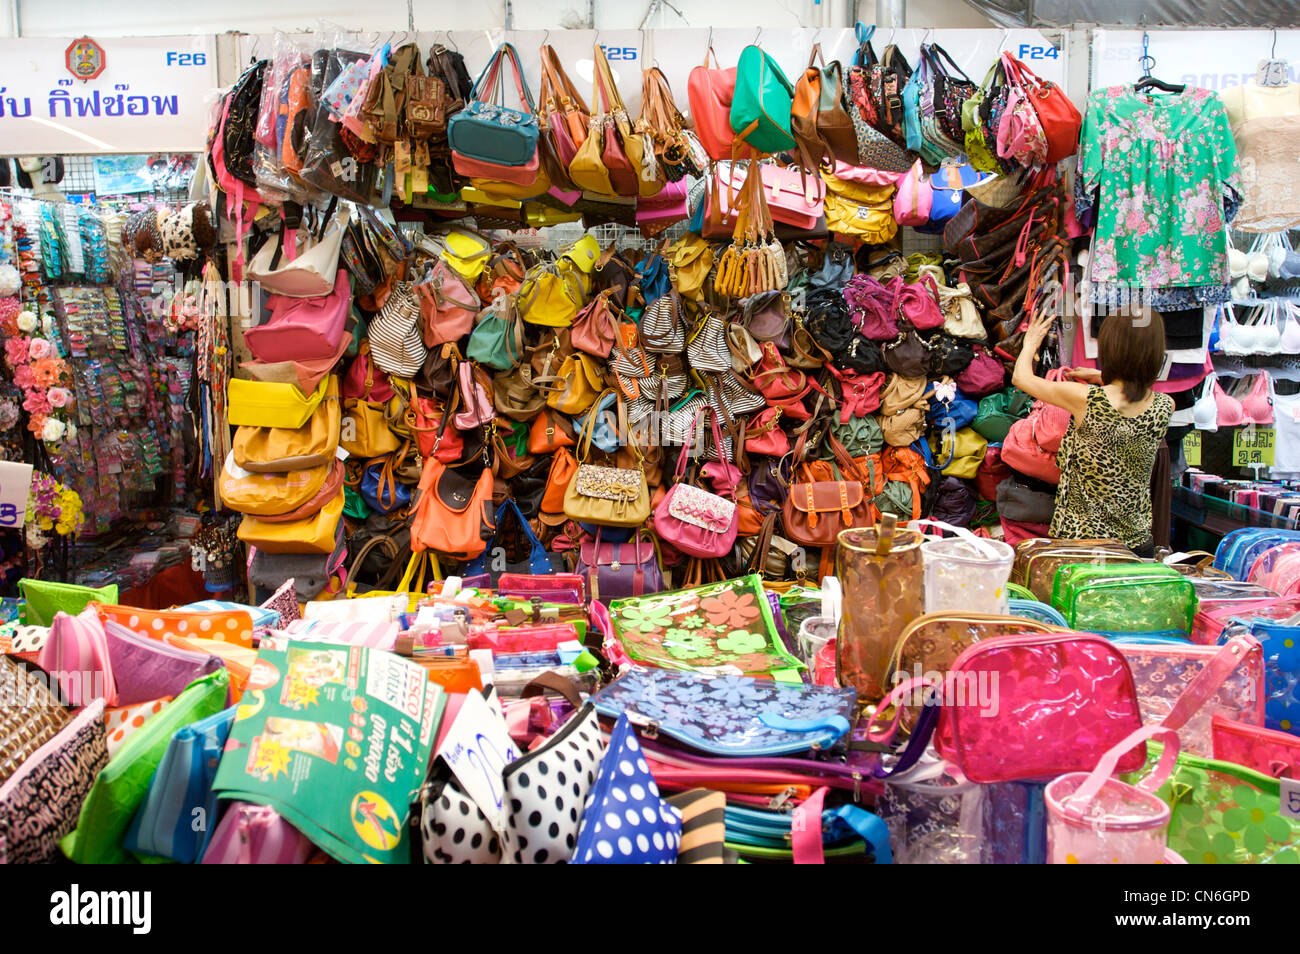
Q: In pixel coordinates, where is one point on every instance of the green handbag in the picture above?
(977, 149)
(121, 787)
(1124, 598)
(760, 107)
(1223, 813)
(997, 412)
(47, 597)
(861, 436)
(498, 338)
(354, 505)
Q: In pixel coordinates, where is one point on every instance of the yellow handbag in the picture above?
(968, 451)
(552, 294)
(421, 565)
(467, 252)
(689, 260)
(496, 189)
(539, 216)
(613, 496)
(268, 495)
(270, 404)
(578, 382)
(398, 405)
(875, 226)
(278, 450)
(315, 534)
(364, 431)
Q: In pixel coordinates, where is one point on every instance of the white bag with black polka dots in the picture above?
(455, 830)
(546, 790)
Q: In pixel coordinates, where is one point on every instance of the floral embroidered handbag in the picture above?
(696, 522)
(729, 715)
(717, 628)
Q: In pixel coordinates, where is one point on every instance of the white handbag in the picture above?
(312, 270)
(396, 341)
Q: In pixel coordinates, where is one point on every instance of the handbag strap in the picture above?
(979, 543)
(560, 83)
(556, 683)
(1077, 804)
(1208, 681)
(866, 53)
(762, 543)
(936, 52)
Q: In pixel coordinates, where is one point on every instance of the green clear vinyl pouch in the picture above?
(47, 597)
(1224, 813)
(124, 783)
(1138, 598)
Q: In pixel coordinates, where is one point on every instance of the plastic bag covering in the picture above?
(327, 163)
(274, 182)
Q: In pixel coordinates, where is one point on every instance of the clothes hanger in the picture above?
(1147, 62)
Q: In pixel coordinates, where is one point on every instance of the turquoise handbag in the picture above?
(912, 120)
(492, 132)
(604, 435)
(498, 339)
(760, 107)
(180, 810)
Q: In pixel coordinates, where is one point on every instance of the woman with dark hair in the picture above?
(1109, 450)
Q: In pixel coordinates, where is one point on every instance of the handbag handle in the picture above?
(979, 543)
(1208, 681)
(806, 824)
(936, 51)
(1077, 804)
(559, 80)
(556, 683)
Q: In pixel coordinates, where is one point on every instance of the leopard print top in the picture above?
(1106, 464)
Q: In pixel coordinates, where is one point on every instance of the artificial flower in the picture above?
(54, 429)
(36, 424)
(37, 402)
(24, 378)
(16, 350)
(39, 348)
(8, 414)
(59, 397)
(47, 372)
(26, 322)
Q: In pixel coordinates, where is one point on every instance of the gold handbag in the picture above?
(612, 496)
(278, 450)
(269, 494)
(364, 431)
(689, 260)
(315, 534)
(579, 382)
(270, 404)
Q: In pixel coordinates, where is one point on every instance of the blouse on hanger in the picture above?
(1265, 123)
(1163, 166)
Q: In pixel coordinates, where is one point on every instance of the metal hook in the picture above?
(546, 36)
(710, 42)
(1273, 53)
(757, 34)
(452, 43)
(1003, 42)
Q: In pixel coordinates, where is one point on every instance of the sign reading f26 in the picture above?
(175, 58)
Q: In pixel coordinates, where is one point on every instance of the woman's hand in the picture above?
(1038, 330)
(1086, 376)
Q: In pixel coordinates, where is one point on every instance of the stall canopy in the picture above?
(1238, 14)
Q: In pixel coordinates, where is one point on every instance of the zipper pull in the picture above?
(857, 786)
(779, 802)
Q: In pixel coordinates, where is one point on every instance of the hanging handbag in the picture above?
(694, 521)
(615, 571)
(447, 305)
(549, 432)
(595, 329)
(609, 496)
(614, 160)
(568, 116)
(302, 329)
(312, 271)
(454, 515)
(498, 336)
(710, 92)
(761, 103)
(396, 340)
(815, 512)
(492, 133)
(1057, 116)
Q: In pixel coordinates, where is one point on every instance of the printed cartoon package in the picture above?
(718, 629)
(337, 740)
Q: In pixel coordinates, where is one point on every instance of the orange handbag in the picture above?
(238, 659)
(549, 432)
(455, 516)
(563, 466)
(227, 626)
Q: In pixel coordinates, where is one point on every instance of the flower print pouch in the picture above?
(729, 715)
(340, 93)
(722, 628)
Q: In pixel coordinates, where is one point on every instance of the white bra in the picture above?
(1205, 412)
(1259, 336)
(1290, 341)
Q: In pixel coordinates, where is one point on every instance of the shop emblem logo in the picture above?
(85, 58)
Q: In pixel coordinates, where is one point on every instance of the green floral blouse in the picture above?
(1164, 163)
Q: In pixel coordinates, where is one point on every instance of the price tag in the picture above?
(15, 482)
(477, 748)
(1192, 449)
(1253, 446)
(1289, 797)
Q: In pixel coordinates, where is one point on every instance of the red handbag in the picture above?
(1058, 116)
(1032, 442)
(781, 385)
(983, 376)
(425, 418)
(709, 91)
(448, 306)
(763, 434)
(595, 329)
(859, 393)
(918, 302)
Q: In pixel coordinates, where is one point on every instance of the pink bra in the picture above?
(1231, 412)
(1257, 406)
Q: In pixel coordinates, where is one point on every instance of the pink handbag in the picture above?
(448, 306)
(303, 329)
(1097, 819)
(1032, 442)
(692, 520)
(476, 403)
(669, 205)
(250, 834)
(918, 302)
(524, 175)
(793, 198)
(1268, 751)
(914, 198)
(986, 374)
(1184, 687)
(1020, 131)
(77, 653)
(871, 306)
(145, 669)
(1037, 706)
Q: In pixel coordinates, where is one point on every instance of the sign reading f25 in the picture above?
(175, 58)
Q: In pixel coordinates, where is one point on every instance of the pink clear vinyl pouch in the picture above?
(1268, 751)
(1165, 672)
(250, 834)
(1037, 706)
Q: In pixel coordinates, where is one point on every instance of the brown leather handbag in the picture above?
(815, 511)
